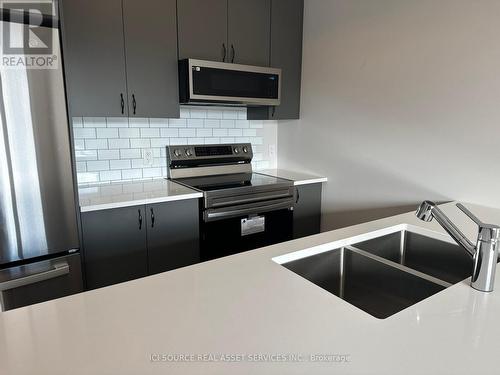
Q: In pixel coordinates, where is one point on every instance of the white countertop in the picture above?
(248, 304)
(298, 178)
(123, 194)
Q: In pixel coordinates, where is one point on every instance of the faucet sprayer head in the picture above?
(424, 211)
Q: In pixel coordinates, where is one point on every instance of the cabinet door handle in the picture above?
(273, 111)
(224, 52)
(140, 219)
(134, 103)
(233, 52)
(122, 102)
(152, 218)
(298, 196)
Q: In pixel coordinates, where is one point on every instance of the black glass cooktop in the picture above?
(230, 181)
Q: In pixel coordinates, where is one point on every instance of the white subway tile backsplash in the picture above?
(187, 132)
(108, 154)
(178, 141)
(118, 143)
(111, 149)
(241, 124)
(96, 144)
(130, 174)
(130, 153)
(151, 172)
(79, 144)
(195, 123)
(160, 142)
(211, 123)
(235, 132)
(214, 113)
(249, 132)
(99, 165)
(198, 113)
(150, 133)
(85, 155)
(129, 133)
(177, 123)
(140, 143)
(211, 141)
(219, 132)
(110, 176)
(83, 133)
(77, 122)
(196, 141)
(204, 132)
(117, 122)
(107, 133)
(230, 114)
(137, 122)
(227, 124)
(94, 122)
(167, 133)
(120, 164)
(158, 122)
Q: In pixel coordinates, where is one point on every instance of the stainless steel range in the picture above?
(241, 209)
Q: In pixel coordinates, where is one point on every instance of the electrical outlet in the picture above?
(272, 151)
(147, 156)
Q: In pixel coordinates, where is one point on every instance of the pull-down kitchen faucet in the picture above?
(484, 253)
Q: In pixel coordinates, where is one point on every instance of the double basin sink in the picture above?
(387, 273)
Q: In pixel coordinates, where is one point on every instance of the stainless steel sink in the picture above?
(442, 260)
(369, 284)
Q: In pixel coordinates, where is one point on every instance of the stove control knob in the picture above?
(245, 149)
(236, 150)
(189, 152)
(177, 153)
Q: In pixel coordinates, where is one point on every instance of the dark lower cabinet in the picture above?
(123, 244)
(114, 243)
(307, 210)
(173, 235)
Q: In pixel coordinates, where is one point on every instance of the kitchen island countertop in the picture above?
(264, 318)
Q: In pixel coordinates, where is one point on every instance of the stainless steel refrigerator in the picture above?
(39, 245)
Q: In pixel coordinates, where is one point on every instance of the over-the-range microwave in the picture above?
(212, 82)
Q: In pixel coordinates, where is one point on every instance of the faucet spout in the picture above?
(428, 210)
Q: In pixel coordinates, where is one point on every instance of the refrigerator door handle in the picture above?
(57, 269)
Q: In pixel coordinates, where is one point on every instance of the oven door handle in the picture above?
(227, 213)
(236, 201)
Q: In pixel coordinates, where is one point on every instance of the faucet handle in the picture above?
(473, 217)
(487, 232)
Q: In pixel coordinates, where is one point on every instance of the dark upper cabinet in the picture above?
(151, 55)
(120, 57)
(249, 31)
(202, 29)
(307, 211)
(114, 243)
(94, 60)
(173, 235)
(286, 53)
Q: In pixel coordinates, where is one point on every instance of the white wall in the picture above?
(400, 102)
